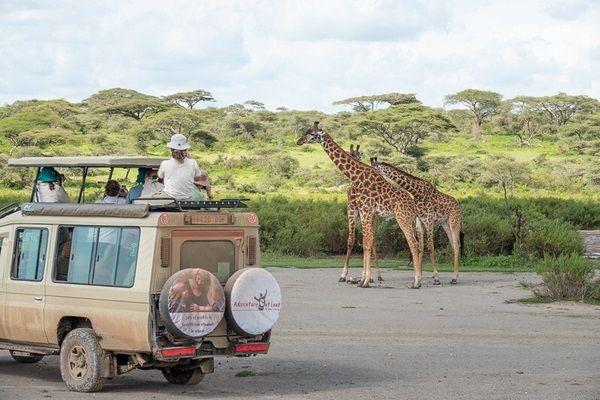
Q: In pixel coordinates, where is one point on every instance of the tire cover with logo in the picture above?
(253, 301)
(192, 303)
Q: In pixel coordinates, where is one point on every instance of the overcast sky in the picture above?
(298, 54)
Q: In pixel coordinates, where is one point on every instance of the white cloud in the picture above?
(301, 55)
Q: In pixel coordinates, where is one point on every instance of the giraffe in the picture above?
(433, 207)
(373, 196)
(352, 215)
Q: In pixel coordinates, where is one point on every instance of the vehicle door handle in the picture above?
(38, 298)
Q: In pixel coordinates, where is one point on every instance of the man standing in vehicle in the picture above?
(181, 174)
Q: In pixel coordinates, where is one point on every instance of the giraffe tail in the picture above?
(462, 244)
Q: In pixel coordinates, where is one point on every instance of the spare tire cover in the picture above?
(192, 303)
(253, 301)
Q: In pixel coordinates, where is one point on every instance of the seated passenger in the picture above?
(49, 187)
(147, 185)
(111, 193)
(181, 174)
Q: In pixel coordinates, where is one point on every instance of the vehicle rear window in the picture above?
(97, 255)
(215, 256)
(30, 254)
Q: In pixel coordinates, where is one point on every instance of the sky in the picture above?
(298, 54)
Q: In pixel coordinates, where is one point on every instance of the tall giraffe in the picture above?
(352, 215)
(373, 196)
(433, 207)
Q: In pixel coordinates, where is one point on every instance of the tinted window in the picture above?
(97, 255)
(30, 254)
(217, 257)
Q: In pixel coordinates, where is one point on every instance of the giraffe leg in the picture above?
(367, 225)
(379, 277)
(350, 241)
(430, 247)
(453, 233)
(408, 228)
(420, 238)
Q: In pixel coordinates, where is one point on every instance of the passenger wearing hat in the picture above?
(49, 187)
(146, 186)
(180, 174)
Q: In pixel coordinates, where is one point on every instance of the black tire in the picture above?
(81, 360)
(30, 359)
(179, 376)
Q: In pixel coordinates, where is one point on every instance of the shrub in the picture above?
(567, 276)
(487, 234)
(553, 238)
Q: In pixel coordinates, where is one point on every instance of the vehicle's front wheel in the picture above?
(181, 376)
(30, 359)
(81, 360)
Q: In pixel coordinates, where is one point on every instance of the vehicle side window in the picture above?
(97, 255)
(30, 254)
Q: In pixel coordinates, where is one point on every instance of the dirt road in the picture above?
(337, 341)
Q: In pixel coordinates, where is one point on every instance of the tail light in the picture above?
(178, 352)
(252, 348)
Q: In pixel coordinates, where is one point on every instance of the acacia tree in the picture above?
(371, 103)
(482, 104)
(126, 102)
(524, 120)
(561, 108)
(190, 99)
(405, 126)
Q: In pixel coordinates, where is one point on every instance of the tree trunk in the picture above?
(476, 131)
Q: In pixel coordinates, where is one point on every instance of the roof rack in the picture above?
(159, 204)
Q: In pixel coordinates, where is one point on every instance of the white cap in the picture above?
(178, 142)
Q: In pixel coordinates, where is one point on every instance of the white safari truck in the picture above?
(158, 284)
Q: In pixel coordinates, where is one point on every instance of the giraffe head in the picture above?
(356, 153)
(380, 167)
(313, 135)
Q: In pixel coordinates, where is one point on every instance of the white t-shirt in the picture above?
(46, 195)
(179, 178)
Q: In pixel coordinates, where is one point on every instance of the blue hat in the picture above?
(48, 174)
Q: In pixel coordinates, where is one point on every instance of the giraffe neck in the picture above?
(412, 184)
(349, 165)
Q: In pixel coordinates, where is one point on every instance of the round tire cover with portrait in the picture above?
(192, 303)
(254, 301)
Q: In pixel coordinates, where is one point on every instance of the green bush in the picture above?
(553, 238)
(567, 276)
(486, 234)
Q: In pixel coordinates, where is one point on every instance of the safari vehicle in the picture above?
(158, 284)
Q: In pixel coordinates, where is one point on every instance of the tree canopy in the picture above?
(372, 103)
(482, 104)
(190, 99)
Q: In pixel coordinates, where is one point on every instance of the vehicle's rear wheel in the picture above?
(81, 360)
(29, 359)
(181, 376)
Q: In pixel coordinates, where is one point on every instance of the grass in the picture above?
(473, 264)
(243, 374)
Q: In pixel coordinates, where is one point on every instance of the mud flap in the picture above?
(207, 365)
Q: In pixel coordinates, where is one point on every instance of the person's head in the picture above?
(48, 175)
(178, 146)
(199, 282)
(112, 188)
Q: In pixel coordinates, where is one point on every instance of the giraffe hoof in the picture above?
(415, 286)
(372, 280)
(380, 279)
(436, 281)
(342, 279)
(453, 282)
(364, 285)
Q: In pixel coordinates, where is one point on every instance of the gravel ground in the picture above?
(337, 341)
